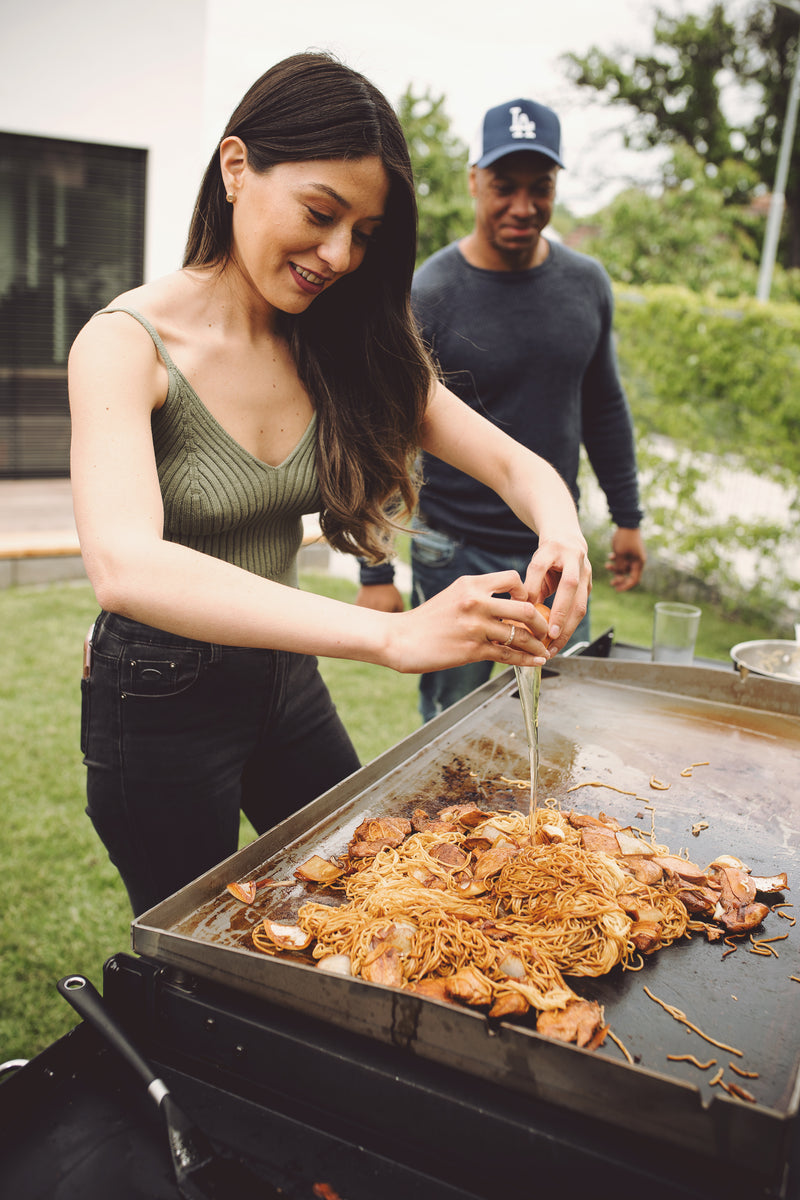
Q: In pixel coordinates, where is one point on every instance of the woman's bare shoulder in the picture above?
(156, 300)
(159, 302)
(114, 353)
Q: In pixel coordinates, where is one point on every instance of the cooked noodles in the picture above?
(467, 906)
(551, 910)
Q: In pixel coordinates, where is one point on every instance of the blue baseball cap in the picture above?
(517, 125)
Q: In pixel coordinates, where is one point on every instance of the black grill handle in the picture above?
(84, 997)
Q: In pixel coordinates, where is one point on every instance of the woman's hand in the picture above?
(533, 490)
(469, 622)
(563, 568)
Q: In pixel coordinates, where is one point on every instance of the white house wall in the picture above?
(119, 73)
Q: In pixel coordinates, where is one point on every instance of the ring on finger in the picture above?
(512, 633)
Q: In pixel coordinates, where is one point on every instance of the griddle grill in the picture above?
(316, 1078)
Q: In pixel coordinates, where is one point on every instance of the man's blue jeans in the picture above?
(178, 735)
(437, 560)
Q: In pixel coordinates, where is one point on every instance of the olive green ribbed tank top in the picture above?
(220, 499)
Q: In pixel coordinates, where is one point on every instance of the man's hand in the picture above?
(382, 597)
(626, 560)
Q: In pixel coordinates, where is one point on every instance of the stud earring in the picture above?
(231, 197)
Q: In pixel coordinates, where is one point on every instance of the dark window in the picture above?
(71, 238)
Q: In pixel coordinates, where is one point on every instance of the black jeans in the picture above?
(178, 735)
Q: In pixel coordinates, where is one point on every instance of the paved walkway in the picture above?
(36, 506)
(38, 539)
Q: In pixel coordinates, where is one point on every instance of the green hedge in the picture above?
(715, 375)
(721, 380)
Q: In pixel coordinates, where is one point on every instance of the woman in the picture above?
(277, 373)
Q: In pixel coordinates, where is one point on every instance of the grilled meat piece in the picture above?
(384, 964)
(493, 861)
(392, 830)
(511, 1005)
(580, 1022)
(449, 855)
(468, 986)
(468, 815)
(738, 910)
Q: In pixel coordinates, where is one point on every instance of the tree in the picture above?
(687, 233)
(439, 162)
(678, 91)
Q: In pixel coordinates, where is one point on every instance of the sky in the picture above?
(475, 54)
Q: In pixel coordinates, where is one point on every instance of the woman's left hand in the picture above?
(562, 567)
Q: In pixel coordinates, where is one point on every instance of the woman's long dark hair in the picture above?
(356, 347)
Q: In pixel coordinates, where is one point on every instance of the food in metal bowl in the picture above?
(775, 659)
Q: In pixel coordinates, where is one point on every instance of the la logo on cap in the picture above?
(521, 124)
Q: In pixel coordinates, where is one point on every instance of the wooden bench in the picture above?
(39, 544)
(37, 556)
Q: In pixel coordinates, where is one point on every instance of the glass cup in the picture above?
(675, 629)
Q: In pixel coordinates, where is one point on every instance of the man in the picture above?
(521, 329)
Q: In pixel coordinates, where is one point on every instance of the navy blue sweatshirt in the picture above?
(533, 351)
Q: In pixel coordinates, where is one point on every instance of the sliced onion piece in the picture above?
(286, 937)
(729, 860)
(513, 966)
(318, 870)
(246, 892)
(336, 964)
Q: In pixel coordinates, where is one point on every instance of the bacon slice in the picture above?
(584, 821)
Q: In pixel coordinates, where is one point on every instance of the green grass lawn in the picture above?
(64, 909)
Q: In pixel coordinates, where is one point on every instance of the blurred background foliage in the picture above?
(712, 374)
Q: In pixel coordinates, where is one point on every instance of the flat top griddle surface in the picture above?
(707, 777)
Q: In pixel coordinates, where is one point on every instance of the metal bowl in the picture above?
(776, 659)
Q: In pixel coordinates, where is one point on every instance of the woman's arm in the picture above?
(533, 490)
(116, 380)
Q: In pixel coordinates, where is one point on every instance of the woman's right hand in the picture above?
(469, 622)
